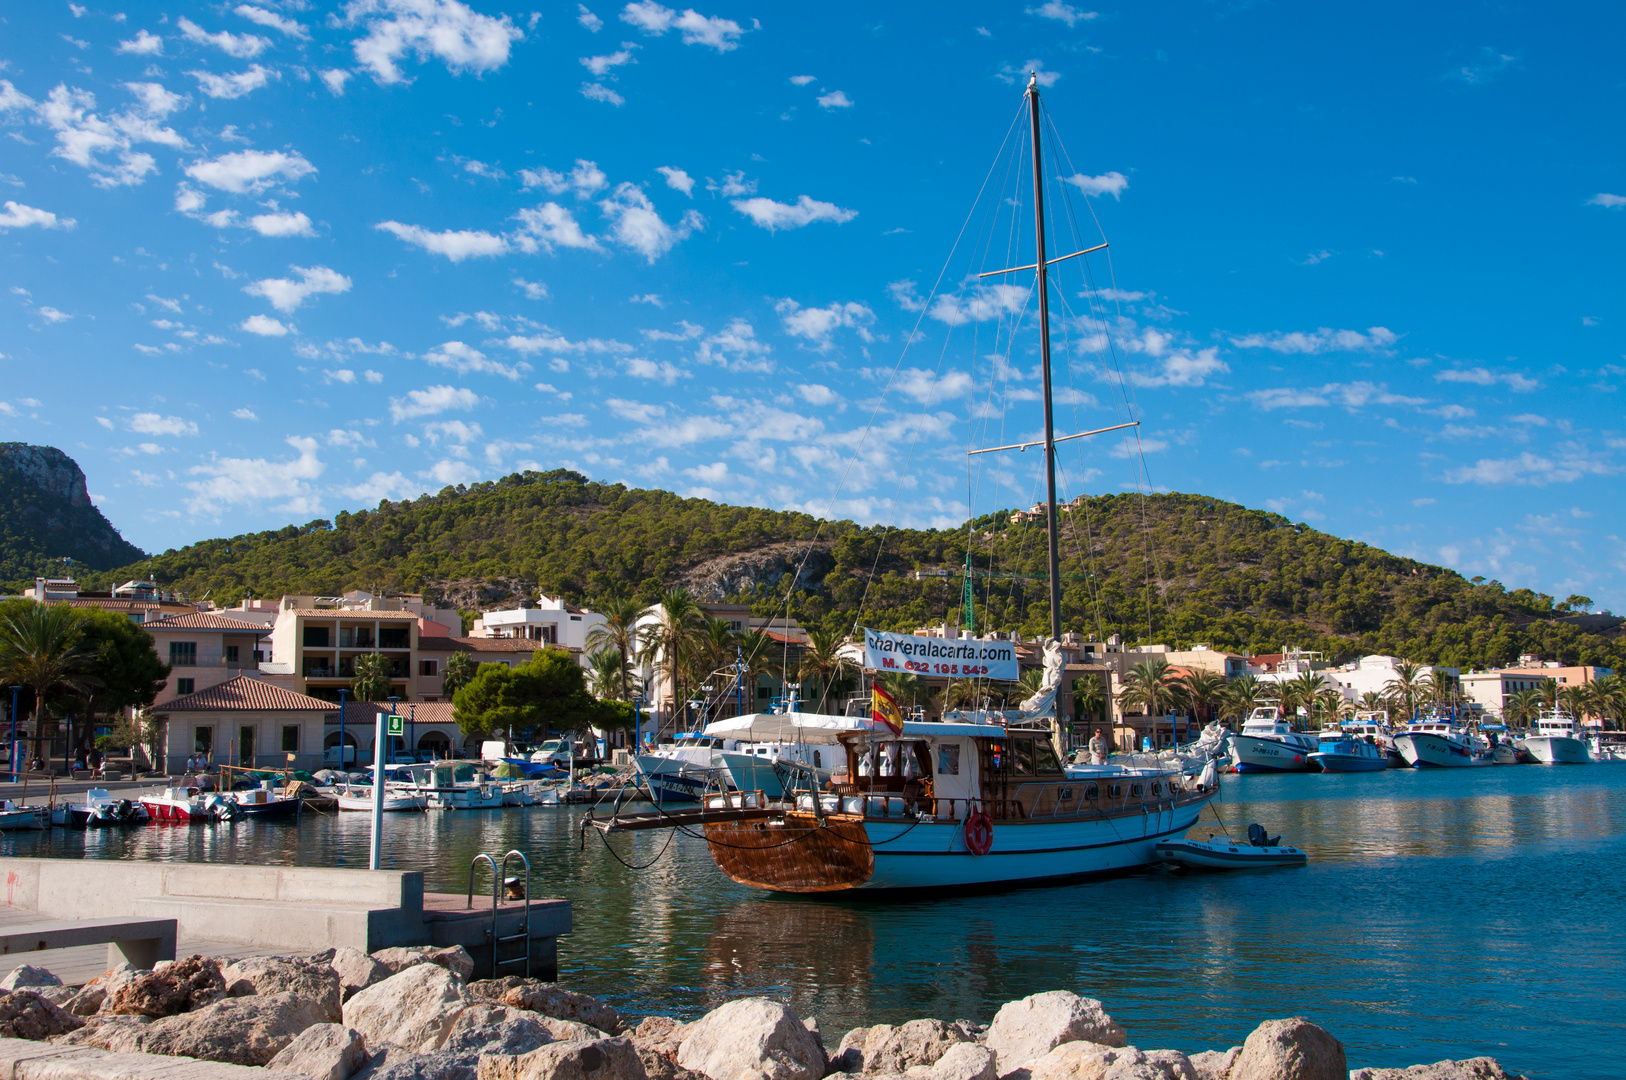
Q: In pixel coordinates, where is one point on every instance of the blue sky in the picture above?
(264, 262)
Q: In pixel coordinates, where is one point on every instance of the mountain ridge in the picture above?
(47, 515)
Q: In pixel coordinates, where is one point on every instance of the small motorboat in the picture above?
(99, 808)
(1258, 850)
(1343, 752)
(179, 804)
(360, 798)
(16, 816)
(260, 802)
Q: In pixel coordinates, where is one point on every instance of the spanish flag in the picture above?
(885, 709)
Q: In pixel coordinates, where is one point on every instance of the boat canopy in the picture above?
(790, 727)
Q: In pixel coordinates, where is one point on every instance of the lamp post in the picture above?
(343, 692)
(637, 720)
(14, 691)
(375, 853)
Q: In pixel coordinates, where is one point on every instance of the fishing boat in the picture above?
(683, 770)
(358, 797)
(1438, 739)
(187, 805)
(1555, 739)
(457, 785)
(99, 809)
(1268, 743)
(256, 804)
(1258, 851)
(1341, 751)
(1374, 724)
(17, 816)
(757, 748)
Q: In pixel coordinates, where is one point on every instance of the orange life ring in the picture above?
(979, 832)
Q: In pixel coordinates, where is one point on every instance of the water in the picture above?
(1444, 914)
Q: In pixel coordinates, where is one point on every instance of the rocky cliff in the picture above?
(46, 515)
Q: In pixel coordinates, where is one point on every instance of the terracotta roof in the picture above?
(482, 645)
(202, 621)
(246, 694)
(119, 604)
(337, 613)
(421, 712)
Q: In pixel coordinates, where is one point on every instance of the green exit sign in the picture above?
(397, 725)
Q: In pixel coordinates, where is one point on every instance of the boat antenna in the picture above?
(1044, 355)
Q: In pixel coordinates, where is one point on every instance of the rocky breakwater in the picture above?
(414, 1014)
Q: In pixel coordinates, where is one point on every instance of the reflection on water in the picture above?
(1443, 914)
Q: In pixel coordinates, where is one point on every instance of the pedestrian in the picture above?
(1099, 748)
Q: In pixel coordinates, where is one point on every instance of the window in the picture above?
(1024, 756)
(231, 654)
(394, 637)
(948, 759)
(137, 617)
(184, 686)
(259, 656)
(290, 738)
(429, 667)
(316, 637)
(203, 740)
(183, 654)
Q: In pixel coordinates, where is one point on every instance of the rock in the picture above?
(393, 1063)
(497, 1029)
(284, 975)
(323, 1052)
(28, 976)
(455, 959)
(1291, 1049)
(117, 1034)
(1094, 1061)
(549, 999)
(849, 1056)
(597, 1059)
(24, 1014)
(751, 1039)
(965, 1061)
(1025, 1031)
(57, 995)
(657, 1039)
(182, 986)
(1479, 1068)
(1215, 1064)
(356, 970)
(919, 1042)
(242, 1031)
(414, 1010)
(93, 996)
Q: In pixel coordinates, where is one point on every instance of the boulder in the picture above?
(393, 1063)
(1027, 1030)
(1290, 1049)
(1479, 1068)
(92, 997)
(964, 1061)
(1215, 1064)
(596, 1059)
(751, 1039)
(497, 1029)
(1094, 1061)
(181, 986)
(356, 970)
(242, 1031)
(323, 1052)
(849, 1056)
(24, 1014)
(549, 999)
(28, 976)
(285, 975)
(657, 1039)
(455, 959)
(919, 1042)
(414, 1010)
(116, 1034)
(57, 995)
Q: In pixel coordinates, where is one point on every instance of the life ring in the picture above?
(979, 832)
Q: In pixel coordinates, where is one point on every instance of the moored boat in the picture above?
(17, 816)
(257, 803)
(99, 808)
(1268, 743)
(185, 804)
(1437, 739)
(1256, 852)
(1375, 724)
(1555, 740)
(1342, 751)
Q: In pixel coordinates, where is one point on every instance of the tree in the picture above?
(1242, 696)
(1410, 685)
(669, 645)
(458, 673)
(607, 674)
(372, 678)
(1089, 699)
(43, 647)
(1575, 700)
(1199, 691)
(127, 666)
(548, 693)
(1607, 696)
(1522, 707)
(822, 662)
(1574, 602)
(1148, 687)
(1301, 692)
(619, 632)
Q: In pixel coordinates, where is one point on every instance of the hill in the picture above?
(46, 515)
(1173, 567)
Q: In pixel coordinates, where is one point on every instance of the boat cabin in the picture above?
(1267, 720)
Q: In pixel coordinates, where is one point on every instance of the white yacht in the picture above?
(1268, 743)
(684, 769)
(1437, 739)
(1554, 739)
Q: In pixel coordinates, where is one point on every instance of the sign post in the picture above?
(375, 854)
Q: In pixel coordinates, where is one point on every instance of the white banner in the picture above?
(943, 658)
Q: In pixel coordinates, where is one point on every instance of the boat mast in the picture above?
(1044, 353)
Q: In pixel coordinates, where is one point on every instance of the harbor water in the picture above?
(1444, 914)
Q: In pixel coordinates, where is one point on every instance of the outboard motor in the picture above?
(1259, 838)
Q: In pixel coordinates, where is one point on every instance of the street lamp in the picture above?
(637, 720)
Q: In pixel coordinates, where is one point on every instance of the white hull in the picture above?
(1426, 750)
(392, 802)
(1557, 750)
(1254, 754)
(489, 797)
(1227, 855)
(675, 780)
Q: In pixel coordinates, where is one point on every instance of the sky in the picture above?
(263, 262)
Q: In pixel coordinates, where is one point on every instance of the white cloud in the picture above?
(1067, 13)
(814, 394)
(143, 44)
(734, 183)
(334, 79)
(464, 359)
(1112, 183)
(265, 326)
(978, 303)
(600, 92)
(281, 223)
(52, 315)
(257, 481)
(455, 431)
(382, 486)
(154, 424)
(817, 324)
(736, 348)
(245, 414)
(770, 215)
(1376, 339)
(836, 99)
(652, 299)
(593, 23)
(286, 294)
(1182, 368)
(677, 179)
(550, 341)
(18, 216)
(340, 375)
(662, 372)
(697, 29)
(585, 179)
(229, 87)
(102, 420)
(802, 80)
(551, 225)
(431, 401)
(636, 411)
(534, 290)
(1571, 463)
(601, 65)
(1479, 376)
(1020, 73)
(1604, 199)
(927, 386)
(1350, 395)
(1130, 447)
(272, 20)
(456, 245)
(241, 46)
(83, 135)
(636, 225)
(447, 30)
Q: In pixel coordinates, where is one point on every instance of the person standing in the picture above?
(1099, 748)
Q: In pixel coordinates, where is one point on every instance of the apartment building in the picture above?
(1492, 689)
(551, 620)
(204, 650)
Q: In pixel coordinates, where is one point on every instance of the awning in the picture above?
(795, 727)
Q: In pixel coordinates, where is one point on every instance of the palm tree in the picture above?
(822, 662)
(716, 644)
(458, 673)
(1410, 684)
(1522, 707)
(1200, 692)
(619, 633)
(44, 648)
(1608, 698)
(1301, 692)
(907, 689)
(607, 674)
(1549, 693)
(1575, 700)
(1148, 685)
(1328, 703)
(372, 678)
(966, 694)
(1088, 696)
(1372, 701)
(1243, 696)
(1030, 683)
(761, 655)
(669, 646)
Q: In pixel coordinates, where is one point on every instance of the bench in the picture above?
(138, 942)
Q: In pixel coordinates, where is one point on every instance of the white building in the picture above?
(1369, 674)
(550, 621)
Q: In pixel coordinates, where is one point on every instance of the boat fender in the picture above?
(979, 832)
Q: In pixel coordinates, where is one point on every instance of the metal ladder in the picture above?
(498, 870)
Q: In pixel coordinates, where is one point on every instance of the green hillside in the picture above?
(1173, 568)
(46, 516)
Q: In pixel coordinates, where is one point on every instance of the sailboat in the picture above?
(977, 800)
